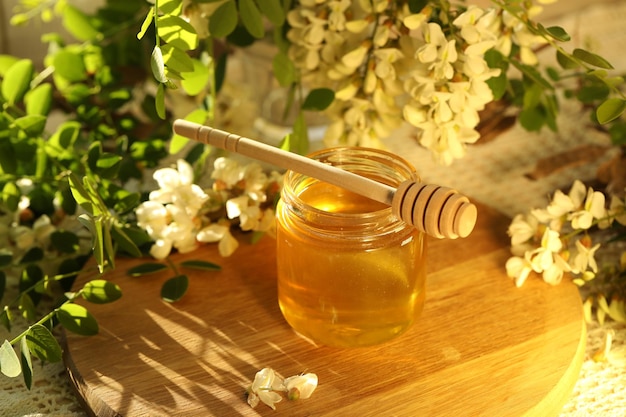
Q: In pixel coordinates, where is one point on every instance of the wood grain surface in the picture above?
(481, 348)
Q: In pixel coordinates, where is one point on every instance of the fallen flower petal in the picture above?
(301, 386)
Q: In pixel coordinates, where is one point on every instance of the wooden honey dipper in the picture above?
(439, 211)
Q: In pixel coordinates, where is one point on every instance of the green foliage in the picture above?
(77, 319)
(203, 265)
(84, 162)
(174, 288)
(318, 99)
(9, 362)
(100, 291)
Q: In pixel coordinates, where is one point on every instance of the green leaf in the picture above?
(34, 254)
(39, 100)
(63, 140)
(592, 93)
(204, 265)
(95, 227)
(565, 61)
(195, 82)
(27, 363)
(223, 20)
(159, 101)
(70, 66)
(170, 6)
(610, 110)
(11, 196)
(6, 62)
(532, 96)
(177, 32)
(64, 241)
(101, 291)
(80, 194)
(6, 318)
(273, 10)
(27, 307)
(43, 344)
(618, 133)
(146, 23)
(77, 319)
(6, 257)
(158, 65)
(318, 99)
(32, 125)
(592, 59)
(78, 24)
(17, 80)
(416, 6)
(176, 59)
(124, 242)
(8, 159)
(178, 142)
(108, 165)
(174, 288)
(284, 69)
(558, 33)
(9, 362)
(145, 269)
(251, 18)
(533, 74)
(532, 119)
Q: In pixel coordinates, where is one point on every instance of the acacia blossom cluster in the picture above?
(555, 240)
(181, 215)
(268, 385)
(21, 231)
(388, 65)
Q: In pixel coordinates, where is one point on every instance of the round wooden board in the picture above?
(481, 347)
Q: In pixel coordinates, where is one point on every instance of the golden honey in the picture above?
(349, 272)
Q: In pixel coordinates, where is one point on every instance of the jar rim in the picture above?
(387, 167)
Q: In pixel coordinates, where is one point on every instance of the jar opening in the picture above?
(329, 209)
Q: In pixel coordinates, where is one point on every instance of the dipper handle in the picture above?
(438, 211)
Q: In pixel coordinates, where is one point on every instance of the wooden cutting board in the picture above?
(481, 348)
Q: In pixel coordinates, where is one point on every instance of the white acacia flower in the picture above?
(300, 386)
(593, 208)
(355, 57)
(554, 273)
(585, 257)
(264, 388)
(177, 187)
(161, 248)
(226, 171)
(219, 233)
(438, 52)
(617, 210)
(522, 229)
(152, 217)
(477, 29)
(518, 268)
(543, 257)
(337, 17)
(248, 214)
(414, 21)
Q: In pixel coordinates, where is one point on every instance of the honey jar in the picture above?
(350, 273)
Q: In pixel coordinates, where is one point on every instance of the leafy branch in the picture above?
(37, 340)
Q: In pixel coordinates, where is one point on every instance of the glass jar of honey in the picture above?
(349, 272)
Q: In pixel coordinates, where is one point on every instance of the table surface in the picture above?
(479, 337)
(494, 173)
